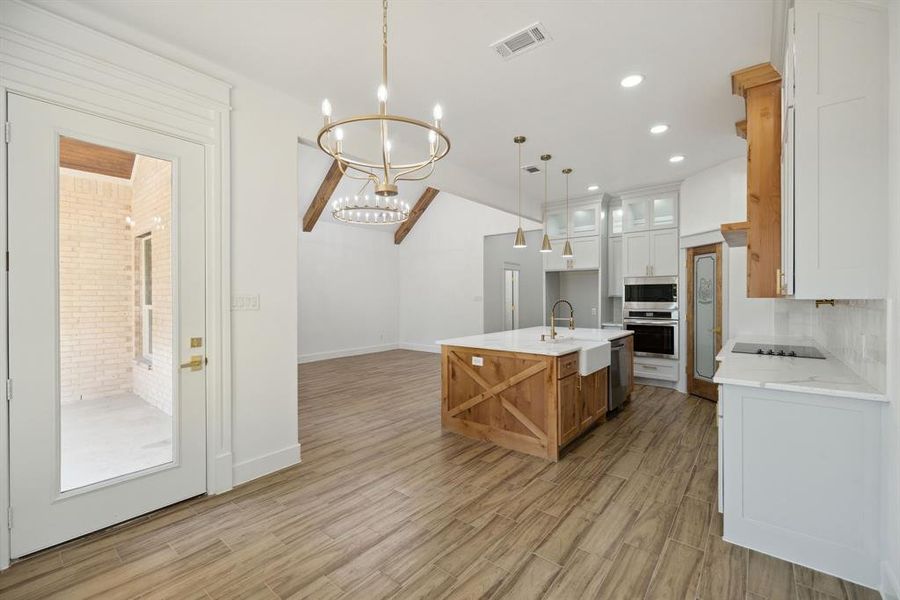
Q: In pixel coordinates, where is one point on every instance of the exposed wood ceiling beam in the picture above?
(320, 200)
(414, 215)
(92, 158)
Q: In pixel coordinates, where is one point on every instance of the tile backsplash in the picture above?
(853, 330)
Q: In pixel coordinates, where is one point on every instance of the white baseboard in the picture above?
(420, 347)
(890, 582)
(317, 356)
(269, 463)
(223, 474)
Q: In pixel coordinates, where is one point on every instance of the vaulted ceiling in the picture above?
(564, 96)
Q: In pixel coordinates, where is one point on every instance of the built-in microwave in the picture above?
(654, 293)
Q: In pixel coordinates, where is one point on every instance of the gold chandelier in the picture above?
(381, 172)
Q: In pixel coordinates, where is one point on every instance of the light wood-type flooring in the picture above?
(384, 505)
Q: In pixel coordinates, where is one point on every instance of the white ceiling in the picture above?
(564, 96)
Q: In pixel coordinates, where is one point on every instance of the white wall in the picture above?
(348, 291)
(891, 470)
(265, 125)
(442, 270)
(714, 196)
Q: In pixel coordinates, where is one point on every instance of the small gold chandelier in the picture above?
(381, 172)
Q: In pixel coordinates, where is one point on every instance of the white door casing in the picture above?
(43, 515)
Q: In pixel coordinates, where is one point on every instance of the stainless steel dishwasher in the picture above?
(619, 374)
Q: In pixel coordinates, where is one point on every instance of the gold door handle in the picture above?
(716, 330)
(195, 364)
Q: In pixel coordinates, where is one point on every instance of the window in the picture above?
(146, 297)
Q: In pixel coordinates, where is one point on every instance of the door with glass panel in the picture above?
(106, 322)
(704, 318)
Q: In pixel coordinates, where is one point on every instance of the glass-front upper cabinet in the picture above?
(635, 214)
(615, 220)
(663, 211)
(585, 220)
(556, 224)
(658, 211)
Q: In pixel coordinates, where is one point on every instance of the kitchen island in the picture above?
(527, 394)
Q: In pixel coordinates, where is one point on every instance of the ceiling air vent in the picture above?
(531, 169)
(522, 41)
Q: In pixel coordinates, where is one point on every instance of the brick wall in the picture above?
(151, 212)
(95, 281)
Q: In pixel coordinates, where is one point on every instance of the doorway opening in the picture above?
(115, 313)
(704, 319)
(510, 298)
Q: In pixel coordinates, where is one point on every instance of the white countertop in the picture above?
(828, 376)
(529, 340)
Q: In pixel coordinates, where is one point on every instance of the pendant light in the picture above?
(545, 245)
(567, 249)
(520, 234)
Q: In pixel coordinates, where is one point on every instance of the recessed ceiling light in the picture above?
(658, 129)
(593, 188)
(632, 80)
(676, 158)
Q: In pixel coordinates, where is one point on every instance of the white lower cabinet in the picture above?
(650, 253)
(800, 478)
(649, 367)
(720, 405)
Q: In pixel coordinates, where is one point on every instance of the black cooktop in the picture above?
(777, 350)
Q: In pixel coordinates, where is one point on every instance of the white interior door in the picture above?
(510, 299)
(106, 301)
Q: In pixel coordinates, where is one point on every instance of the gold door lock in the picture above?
(195, 364)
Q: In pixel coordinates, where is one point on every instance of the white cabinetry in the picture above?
(584, 220)
(586, 255)
(614, 267)
(650, 253)
(655, 211)
(636, 254)
(835, 192)
(801, 478)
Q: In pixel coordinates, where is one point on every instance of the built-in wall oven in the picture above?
(651, 312)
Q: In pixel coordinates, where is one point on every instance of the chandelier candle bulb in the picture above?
(438, 114)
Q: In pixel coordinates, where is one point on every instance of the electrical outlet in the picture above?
(594, 311)
(477, 361)
(246, 302)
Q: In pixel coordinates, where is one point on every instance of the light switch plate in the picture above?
(246, 302)
(477, 361)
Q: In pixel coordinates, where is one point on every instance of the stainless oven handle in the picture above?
(650, 322)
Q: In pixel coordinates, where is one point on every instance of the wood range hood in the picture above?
(760, 86)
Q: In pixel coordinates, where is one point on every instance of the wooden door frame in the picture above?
(703, 389)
